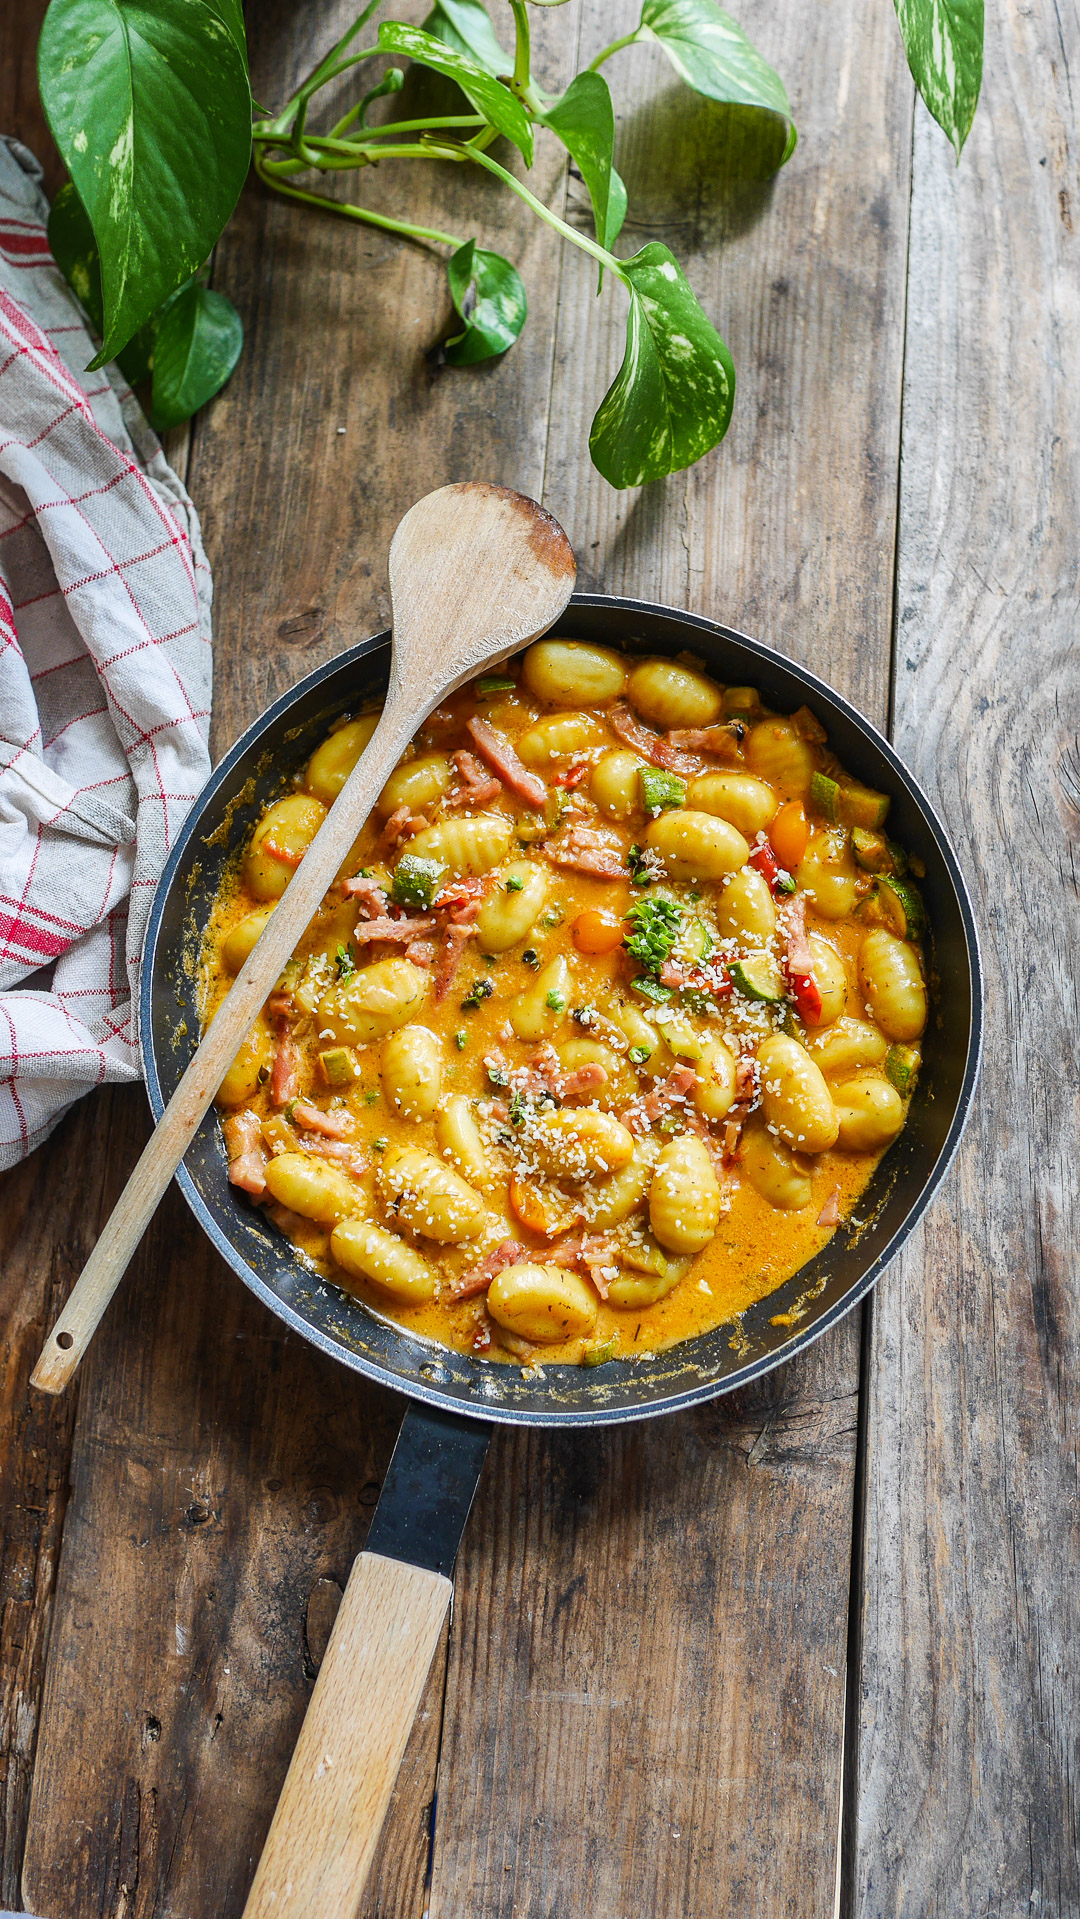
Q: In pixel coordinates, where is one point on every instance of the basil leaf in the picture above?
(715, 57)
(464, 25)
(585, 123)
(671, 400)
(497, 311)
(943, 40)
(497, 104)
(151, 110)
(197, 344)
(74, 248)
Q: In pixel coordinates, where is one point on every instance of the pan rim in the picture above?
(430, 1392)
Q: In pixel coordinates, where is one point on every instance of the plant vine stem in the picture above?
(353, 157)
(522, 46)
(517, 186)
(354, 152)
(356, 213)
(390, 127)
(615, 47)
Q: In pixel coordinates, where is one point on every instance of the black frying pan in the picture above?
(426, 1497)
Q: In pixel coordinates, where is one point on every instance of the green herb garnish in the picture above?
(496, 685)
(379, 1145)
(640, 872)
(480, 990)
(371, 1097)
(518, 1110)
(461, 1039)
(345, 961)
(556, 1000)
(530, 957)
(639, 1054)
(415, 880)
(497, 1074)
(514, 884)
(655, 925)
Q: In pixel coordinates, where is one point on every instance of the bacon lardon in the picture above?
(497, 751)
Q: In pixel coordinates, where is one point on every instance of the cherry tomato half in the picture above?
(788, 835)
(595, 933)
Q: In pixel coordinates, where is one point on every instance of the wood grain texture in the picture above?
(327, 1822)
(335, 420)
(223, 1472)
(644, 1700)
(968, 1694)
(476, 572)
(49, 1217)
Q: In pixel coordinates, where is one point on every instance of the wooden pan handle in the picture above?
(319, 1849)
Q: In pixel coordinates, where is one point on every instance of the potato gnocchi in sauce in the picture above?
(605, 1024)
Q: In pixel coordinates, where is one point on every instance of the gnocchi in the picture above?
(279, 843)
(684, 1197)
(332, 762)
(417, 784)
(412, 1071)
(512, 906)
(367, 1251)
(584, 1047)
(427, 1197)
(695, 846)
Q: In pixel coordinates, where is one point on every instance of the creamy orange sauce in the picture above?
(756, 1247)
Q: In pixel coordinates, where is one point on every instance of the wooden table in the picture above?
(812, 1647)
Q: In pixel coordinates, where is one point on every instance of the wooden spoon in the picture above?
(476, 572)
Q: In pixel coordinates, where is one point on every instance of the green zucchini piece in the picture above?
(758, 978)
(861, 806)
(599, 1352)
(872, 851)
(340, 1066)
(825, 797)
(660, 789)
(901, 907)
(742, 702)
(902, 1068)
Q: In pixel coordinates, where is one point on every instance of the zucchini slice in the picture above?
(862, 806)
(825, 797)
(846, 803)
(340, 1066)
(872, 851)
(758, 978)
(900, 907)
(902, 1068)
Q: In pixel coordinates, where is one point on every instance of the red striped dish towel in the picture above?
(105, 678)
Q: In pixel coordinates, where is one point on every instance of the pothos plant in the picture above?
(150, 105)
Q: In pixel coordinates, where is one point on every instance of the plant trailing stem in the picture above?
(581, 240)
(353, 212)
(615, 47)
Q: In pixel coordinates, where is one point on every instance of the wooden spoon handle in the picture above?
(73, 1331)
(324, 1832)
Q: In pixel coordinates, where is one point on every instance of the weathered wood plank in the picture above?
(49, 1208)
(645, 1694)
(969, 1699)
(222, 1474)
(335, 421)
(222, 1471)
(24, 117)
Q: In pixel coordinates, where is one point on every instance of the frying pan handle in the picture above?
(330, 1813)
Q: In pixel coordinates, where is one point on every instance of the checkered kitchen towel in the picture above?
(105, 675)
